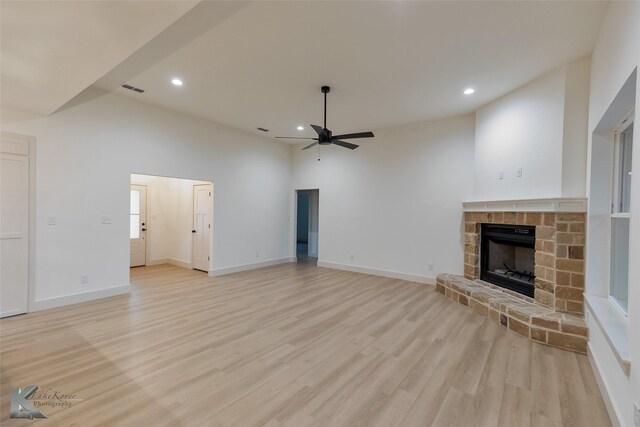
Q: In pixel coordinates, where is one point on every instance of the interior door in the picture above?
(201, 231)
(138, 225)
(14, 226)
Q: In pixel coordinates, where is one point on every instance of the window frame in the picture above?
(616, 212)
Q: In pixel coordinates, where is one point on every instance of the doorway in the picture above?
(307, 208)
(171, 222)
(17, 161)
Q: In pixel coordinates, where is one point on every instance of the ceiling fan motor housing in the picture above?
(326, 140)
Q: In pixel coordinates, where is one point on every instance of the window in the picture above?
(134, 217)
(620, 204)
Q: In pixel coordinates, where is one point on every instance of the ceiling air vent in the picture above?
(133, 88)
(263, 129)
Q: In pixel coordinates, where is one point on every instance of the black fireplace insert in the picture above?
(507, 256)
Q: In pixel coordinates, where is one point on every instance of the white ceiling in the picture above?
(52, 50)
(388, 63)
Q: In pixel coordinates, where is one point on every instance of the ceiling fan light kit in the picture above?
(326, 136)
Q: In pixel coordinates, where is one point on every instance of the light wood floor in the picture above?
(290, 345)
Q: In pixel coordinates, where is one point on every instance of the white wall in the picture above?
(616, 55)
(575, 138)
(541, 128)
(85, 155)
(395, 202)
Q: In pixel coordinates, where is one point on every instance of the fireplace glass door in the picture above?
(507, 257)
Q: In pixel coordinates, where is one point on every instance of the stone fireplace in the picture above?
(540, 243)
(559, 253)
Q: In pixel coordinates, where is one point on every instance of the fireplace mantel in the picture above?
(559, 204)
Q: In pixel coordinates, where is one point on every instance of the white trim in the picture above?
(81, 297)
(160, 261)
(621, 215)
(180, 264)
(614, 325)
(245, 267)
(558, 204)
(376, 272)
(604, 390)
(157, 261)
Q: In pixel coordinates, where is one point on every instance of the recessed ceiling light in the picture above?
(177, 82)
(469, 91)
(300, 127)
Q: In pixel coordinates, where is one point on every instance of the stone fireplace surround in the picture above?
(555, 315)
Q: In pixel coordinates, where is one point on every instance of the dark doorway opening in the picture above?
(307, 225)
(507, 257)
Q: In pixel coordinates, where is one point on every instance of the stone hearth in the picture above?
(517, 313)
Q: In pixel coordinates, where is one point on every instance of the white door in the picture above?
(201, 231)
(138, 225)
(14, 225)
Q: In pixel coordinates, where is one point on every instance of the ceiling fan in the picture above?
(326, 137)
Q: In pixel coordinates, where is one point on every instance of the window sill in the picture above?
(621, 215)
(614, 325)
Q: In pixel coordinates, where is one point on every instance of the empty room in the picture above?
(319, 213)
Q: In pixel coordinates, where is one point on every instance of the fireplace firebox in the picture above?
(507, 257)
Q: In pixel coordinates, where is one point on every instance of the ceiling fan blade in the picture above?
(354, 135)
(309, 146)
(348, 145)
(320, 131)
(292, 137)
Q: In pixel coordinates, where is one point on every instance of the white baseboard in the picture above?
(78, 298)
(158, 261)
(175, 262)
(602, 385)
(181, 264)
(376, 272)
(245, 267)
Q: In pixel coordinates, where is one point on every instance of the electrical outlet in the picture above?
(519, 172)
(257, 254)
(84, 278)
(636, 414)
(105, 219)
(430, 267)
(51, 220)
(352, 257)
(500, 174)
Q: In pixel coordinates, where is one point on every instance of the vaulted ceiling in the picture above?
(261, 64)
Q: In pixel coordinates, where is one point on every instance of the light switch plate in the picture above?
(519, 172)
(105, 219)
(51, 220)
(500, 174)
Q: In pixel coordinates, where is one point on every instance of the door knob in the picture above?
(193, 231)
